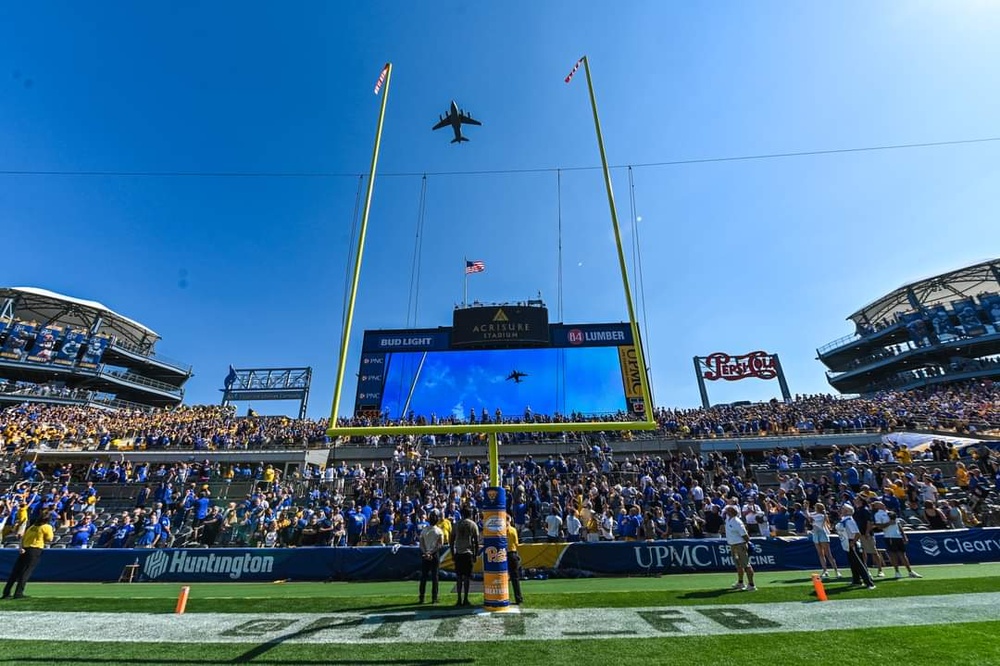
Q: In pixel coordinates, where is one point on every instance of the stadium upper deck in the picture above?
(81, 352)
(937, 330)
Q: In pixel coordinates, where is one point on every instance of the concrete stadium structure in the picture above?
(938, 330)
(60, 349)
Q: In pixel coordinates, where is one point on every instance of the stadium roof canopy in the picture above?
(44, 306)
(946, 287)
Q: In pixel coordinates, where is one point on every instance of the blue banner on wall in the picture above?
(954, 546)
(95, 350)
(44, 349)
(795, 553)
(70, 348)
(222, 564)
(18, 339)
(400, 563)
(684, 555)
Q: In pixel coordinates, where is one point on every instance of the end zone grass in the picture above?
(144, 604)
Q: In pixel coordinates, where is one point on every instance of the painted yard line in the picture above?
(442, 624)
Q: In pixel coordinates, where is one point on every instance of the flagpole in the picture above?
(465, 291)
(349, 318)
(636, 342)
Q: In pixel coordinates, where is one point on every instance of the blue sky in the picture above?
(737, 256)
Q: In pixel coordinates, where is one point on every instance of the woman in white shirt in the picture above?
(895, 539)
(820, 535)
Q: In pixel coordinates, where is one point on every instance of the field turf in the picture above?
(139, 607)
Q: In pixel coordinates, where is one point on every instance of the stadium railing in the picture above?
(139, 380)
(135, 350)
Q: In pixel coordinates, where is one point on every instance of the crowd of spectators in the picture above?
(967, 408)
(204, 427)
(593, 495)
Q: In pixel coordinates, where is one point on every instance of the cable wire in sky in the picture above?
(486, 172)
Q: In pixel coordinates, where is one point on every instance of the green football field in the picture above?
(951, 616)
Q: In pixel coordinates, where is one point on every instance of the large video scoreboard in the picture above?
(589, 369)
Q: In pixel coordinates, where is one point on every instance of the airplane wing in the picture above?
(443, 123)
(466, 119)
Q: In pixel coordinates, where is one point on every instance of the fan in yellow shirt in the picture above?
(514, 562)
(32, 543)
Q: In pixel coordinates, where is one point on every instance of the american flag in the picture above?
(569, 77)
(474, 267)
(381, 78)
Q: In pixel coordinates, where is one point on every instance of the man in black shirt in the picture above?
(866, 525)
(713, 521)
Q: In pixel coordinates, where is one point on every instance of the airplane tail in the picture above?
(459, 139)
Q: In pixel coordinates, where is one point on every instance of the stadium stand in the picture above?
(935, 331)
(64, 350)
(202, 476)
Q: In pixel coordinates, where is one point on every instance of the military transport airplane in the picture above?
(456, 118)
(516, 376)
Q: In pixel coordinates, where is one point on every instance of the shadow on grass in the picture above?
(792, 581)
(708, 594)
(832, 591)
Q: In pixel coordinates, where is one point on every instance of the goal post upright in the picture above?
(349, 315)
(494, 505)
(648, 421)
(633, 323)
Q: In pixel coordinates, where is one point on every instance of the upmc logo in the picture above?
(575, 336)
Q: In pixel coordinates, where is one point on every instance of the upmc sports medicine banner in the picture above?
(684, 555)
(793, 553)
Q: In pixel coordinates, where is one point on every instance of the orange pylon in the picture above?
(818, 585)
(182, 600)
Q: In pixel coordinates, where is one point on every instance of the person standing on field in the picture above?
(431, 543)
(895, 539)
(32, 543)
(821, 538)
(850, 537)
(739, 545)
(514, 563)
(464, 548)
